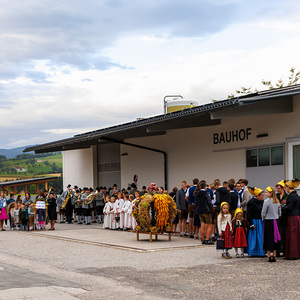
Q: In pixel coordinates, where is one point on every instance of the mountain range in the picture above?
(11, 153)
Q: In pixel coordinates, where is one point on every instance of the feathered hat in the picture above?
(237, 211)
(254, 191)
(281, 183)
(292, 183)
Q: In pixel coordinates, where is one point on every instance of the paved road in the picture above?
(86, 262)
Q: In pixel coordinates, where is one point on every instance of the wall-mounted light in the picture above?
(262, 135)
(124, 154)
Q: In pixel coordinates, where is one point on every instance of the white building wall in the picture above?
(79, 167)
(192, 152)
(147, 165)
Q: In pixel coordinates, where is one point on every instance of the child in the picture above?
(30, 216)
(225, 229)
(124, 211)
(239, 232)
(40, 211)
(117, 209)
(12, 211)
(270, 214)
(23, 217)
(106, 211)
(112, 213)
(130, 217)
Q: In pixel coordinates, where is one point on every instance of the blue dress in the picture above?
(256, 235)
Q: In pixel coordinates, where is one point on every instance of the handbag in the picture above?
(220, 244)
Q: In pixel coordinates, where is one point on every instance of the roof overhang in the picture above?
(265, 102)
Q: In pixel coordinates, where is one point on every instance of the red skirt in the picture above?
(292, 244)
(226, 235)
(240, 238)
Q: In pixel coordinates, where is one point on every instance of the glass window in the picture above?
(251, 156)
(264, 157)
(296, 161)
(277, 156)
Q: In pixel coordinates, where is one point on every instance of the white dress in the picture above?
(106, 223)
(121, 215)
(125, 209)
(112, 216)
(116, 211)
(130, 217)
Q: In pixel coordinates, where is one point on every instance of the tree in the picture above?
(2, 157)
(292, 80)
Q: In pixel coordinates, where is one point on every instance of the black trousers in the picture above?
(69, 211)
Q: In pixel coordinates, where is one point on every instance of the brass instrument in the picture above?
(79, 202)
(90, 198)
(67, 200)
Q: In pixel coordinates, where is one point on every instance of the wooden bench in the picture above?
(156, 234)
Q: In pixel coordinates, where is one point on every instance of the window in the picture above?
(251, 158)
(276, 156)
(110, 167)
(268, 156)
(263, 157)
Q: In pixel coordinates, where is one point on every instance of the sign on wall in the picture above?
(232, 136)
(135, 178)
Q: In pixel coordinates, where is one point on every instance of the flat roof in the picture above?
(193, 117)
(27, 181)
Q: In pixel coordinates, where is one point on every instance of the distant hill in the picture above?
(11, 153)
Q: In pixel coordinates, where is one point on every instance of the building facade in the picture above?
(255, 137)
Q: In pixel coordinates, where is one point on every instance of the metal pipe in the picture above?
(149, 149)
(165, 101)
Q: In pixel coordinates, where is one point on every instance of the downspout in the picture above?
(145, 148)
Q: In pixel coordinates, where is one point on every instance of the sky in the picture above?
(71, 66)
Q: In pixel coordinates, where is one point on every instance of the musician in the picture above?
(86, 207)
(68, 196)
(93, 207)
(74, 217)
(100, 204)
(78, 206)
(61, 212)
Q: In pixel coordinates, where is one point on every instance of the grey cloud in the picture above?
(75, 32)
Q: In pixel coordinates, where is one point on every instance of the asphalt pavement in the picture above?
(87, 262)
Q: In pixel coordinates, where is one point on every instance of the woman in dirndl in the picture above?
(255, 233)
(270, 214)
(292, 245)
(3, 213)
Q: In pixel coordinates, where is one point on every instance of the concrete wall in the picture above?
(79, 167)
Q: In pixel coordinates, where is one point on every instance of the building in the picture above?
(256, 136)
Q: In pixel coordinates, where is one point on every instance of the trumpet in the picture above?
(79, 202)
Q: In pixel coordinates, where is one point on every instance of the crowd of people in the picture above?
(230, 214)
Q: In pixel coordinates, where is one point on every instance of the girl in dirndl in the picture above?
(225, 229)
(270, 214)
(239, 232)
(3, 213)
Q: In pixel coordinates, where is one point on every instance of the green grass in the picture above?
(32, 165)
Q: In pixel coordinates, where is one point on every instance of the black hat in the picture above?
(133, 185)
(115, 185)
(144, 187)
(101, 187)
(75, 187)
(69, 185)
(78, 191)
(90, 189)
(104, 188)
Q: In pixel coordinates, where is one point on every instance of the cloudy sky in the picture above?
(71, 66)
